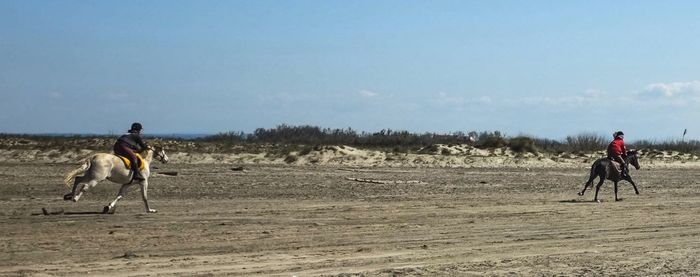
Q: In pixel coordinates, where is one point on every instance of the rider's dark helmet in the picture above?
(618, 133)
(136, 127)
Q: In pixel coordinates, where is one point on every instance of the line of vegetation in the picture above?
(296, 138)
(403, 141)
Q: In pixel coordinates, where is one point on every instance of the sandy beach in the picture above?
(342, 211)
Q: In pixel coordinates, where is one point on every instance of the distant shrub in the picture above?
(227, 137)
(491, 140)
(433, 148)
(691, 146)
(522, 144)
(291, 158)
(549, 145)
(305, 150)
(585, 142)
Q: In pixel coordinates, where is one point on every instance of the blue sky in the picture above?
(542, 68)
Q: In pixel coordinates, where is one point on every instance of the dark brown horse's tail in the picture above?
(593, 173)
(595, 164)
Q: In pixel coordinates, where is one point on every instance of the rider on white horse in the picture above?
(129, 143)
(102, 166)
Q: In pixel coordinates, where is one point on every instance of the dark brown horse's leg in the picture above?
(629, 179)
(615, 185)
(597, 188)
(590, 182)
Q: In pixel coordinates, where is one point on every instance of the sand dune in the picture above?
(462, 156)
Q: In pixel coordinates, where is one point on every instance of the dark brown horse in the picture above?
(604, 169)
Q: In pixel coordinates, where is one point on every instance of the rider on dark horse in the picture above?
(617, 151)
(129, 143)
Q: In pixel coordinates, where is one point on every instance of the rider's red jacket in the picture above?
(617, 148)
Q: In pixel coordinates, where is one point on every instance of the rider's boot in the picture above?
(138, 176)
(137, 173)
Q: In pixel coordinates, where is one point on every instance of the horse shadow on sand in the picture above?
(47, 212)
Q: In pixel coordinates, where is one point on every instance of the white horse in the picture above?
(103, 166)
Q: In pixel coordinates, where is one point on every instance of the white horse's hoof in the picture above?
(152, 211)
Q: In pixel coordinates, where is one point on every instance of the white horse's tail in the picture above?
(82, 169)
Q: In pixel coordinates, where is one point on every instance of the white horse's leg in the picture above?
(95, 174)
(80, 186)
(83, 188)
(144, 195)
(74, 189)
(120, 195)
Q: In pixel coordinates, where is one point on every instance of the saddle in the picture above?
(127, 162)
(615, 170)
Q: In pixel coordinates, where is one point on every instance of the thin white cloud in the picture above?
(55, 95)
(448, 100)
(676, 90)
(588, 97)
(280, 97)
(116, 95)
(285, 99)
(367, 93)
(444, 99)
(574, 100)
(680, 94)
(594, 93)
(484, 100)
(657, 94)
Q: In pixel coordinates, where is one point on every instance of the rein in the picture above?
(158, 153)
